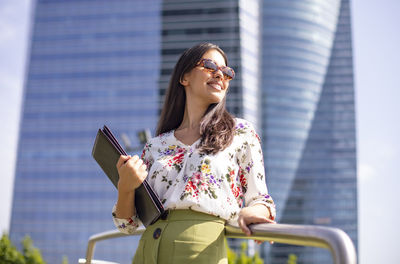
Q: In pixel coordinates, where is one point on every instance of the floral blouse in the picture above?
(219, 184)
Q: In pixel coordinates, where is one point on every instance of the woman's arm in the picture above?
(132, 172)
(259, 206)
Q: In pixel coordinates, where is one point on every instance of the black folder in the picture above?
(106, 151)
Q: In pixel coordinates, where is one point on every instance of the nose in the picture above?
(218, 73)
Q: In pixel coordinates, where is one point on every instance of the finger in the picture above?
(135, 158)
(268, 220)
(129, 157)
(245, 229)
(143, 171)
(137, 164)
(243, 226)
(144, 174)
(258, 219)
(271, 221)
(122, 160)
(143, 167)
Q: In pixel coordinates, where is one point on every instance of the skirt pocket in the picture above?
(194, 252)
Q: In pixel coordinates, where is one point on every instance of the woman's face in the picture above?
(204, 86)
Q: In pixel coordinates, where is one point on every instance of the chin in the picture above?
(216, 100)
(217, 97)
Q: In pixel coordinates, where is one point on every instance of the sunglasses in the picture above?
(211, 66)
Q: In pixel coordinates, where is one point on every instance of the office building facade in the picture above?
(91, 63)
(232, 25)
(309, 119)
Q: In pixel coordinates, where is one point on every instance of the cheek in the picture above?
(202, 79)
(226, 84)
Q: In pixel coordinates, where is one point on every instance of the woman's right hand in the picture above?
(132, 172)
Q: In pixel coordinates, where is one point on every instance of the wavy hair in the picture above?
(216, 125)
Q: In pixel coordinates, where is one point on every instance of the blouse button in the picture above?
(157, 233)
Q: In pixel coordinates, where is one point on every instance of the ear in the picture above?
(184, 81)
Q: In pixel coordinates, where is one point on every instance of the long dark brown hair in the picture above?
(217, 124)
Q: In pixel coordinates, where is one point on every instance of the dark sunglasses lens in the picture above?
(228, 72)
(210, 65)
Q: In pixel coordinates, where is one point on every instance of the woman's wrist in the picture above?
(125, 195)
(124, 189)
(266, 210)
(125, 204)
(270, 214)
(124, 192)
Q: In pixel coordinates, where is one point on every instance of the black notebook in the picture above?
(106, 151)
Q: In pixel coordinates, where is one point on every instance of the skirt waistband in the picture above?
(187, 214)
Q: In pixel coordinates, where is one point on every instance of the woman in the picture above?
(206, 166)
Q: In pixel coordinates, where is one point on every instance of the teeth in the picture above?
(216, 86)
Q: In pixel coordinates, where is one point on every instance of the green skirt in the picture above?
(184, 236)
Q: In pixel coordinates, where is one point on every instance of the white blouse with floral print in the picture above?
(219, 184)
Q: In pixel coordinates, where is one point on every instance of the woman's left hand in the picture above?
(255, 214)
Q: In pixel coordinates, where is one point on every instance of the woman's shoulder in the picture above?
(245, 129)
(243, 126)
(155, 144)
(159, 140)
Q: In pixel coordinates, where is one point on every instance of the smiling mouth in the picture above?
(216, 86)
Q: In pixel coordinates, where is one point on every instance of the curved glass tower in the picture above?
(309, 118)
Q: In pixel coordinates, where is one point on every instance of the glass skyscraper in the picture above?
(91, 63)
(234, 26)
(109, 62)
(309, 119)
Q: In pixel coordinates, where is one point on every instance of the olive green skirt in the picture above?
(184, 236)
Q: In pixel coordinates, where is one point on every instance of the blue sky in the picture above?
(376, 42)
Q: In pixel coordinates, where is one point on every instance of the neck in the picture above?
(192, 115)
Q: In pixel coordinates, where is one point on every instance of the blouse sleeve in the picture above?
(252, 172)
(147, 157)
(128, 226)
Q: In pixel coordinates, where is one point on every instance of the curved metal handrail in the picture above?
(334, 239)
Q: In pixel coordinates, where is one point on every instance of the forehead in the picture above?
(214, 55)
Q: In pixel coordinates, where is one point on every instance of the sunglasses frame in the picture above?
(223, 69)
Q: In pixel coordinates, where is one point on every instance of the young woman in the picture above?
(205, 165)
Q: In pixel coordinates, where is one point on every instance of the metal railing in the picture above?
(334, 239)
